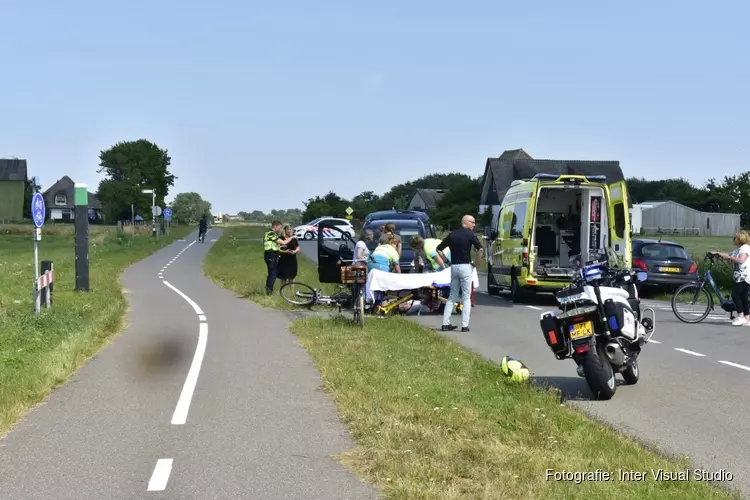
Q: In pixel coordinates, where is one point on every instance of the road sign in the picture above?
(168, 213)
(349, 210)
(156, 210)
(38, 209)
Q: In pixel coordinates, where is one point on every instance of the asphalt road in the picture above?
(691, 398)
(204, 396)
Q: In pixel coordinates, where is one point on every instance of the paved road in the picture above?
(692, 395)
(233, 410)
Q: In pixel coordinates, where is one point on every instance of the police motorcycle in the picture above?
(601, 324)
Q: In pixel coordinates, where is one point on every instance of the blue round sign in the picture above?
(38, 210)
(168, 213)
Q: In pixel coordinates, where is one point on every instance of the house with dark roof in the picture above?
(13, 176)
(59, 199)
(517, 164)
(425, 200)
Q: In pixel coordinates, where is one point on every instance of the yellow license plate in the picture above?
(669, 269)
(581, 330)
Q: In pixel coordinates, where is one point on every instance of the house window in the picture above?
(61, 199)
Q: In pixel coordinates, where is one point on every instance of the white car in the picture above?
(309, 231)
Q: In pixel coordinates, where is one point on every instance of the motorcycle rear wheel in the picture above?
(599, 374)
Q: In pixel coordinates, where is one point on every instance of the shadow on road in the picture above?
(570, 388)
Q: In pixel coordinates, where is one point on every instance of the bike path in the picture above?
(232, 409)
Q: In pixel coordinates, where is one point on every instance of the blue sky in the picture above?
(264, 106)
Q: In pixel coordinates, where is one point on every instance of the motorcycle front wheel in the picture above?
(599, 374)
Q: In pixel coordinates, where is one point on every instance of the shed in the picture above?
(672, 218)
(425, 199)
(13, 177)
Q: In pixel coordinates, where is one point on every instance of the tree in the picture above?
(329, 205)
(131, 167)
(461, 198)
(188, 208)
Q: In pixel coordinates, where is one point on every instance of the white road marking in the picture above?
(688, 352)
(183, 405)
(654, 342)
(736, 365)
(202, 317)
(535, 308)
(160, 476)
(190, 301)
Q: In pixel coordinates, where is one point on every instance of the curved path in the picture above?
(204, 396)
(692, 398)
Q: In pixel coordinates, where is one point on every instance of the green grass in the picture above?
(236, 262)
(431, 420)
(39, 352)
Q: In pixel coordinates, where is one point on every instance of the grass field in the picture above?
(39, 352)
(236, 262)
(432, 420)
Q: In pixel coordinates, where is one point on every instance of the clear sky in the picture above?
(264, 106)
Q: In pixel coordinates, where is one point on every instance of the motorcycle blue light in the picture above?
(593, 271)
(613, 323)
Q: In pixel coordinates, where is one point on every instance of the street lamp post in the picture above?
(153, 210)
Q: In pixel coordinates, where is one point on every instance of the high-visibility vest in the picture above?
(270, 242)
(430, 250)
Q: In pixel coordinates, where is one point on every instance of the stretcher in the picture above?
(431, 285)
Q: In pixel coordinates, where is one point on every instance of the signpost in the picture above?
(349, 212)
(153, 210)
(81, 198)
(38, 214)
(168, 217)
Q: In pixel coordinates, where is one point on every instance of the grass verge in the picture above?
(236, 262)
(432, 420)
(39, 352)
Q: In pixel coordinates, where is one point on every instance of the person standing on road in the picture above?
(462, 267)
(202, 229)
(272, 242)
(361, 252)
(741, 275)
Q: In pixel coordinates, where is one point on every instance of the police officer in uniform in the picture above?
(272, 242)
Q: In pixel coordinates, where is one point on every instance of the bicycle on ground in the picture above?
(701, 293)
(353, 279)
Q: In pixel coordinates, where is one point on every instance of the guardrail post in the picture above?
(47, 265)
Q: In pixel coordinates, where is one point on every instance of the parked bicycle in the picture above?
(700, 294)
(353, 279)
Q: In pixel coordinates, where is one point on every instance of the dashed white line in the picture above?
(201, 317)
(736, 365)
(160, 476)
(688, 352)
(535, 308)
(183, 404)
(654, 342)
(190, 301)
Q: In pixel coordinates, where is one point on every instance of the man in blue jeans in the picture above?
(462, 266)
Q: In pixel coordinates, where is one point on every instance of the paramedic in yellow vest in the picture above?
(271, 246)
(428, 247)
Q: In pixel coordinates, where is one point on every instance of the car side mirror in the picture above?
(641, 276)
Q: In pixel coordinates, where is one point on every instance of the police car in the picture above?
(309, 231)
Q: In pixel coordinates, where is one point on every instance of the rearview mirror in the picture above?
(641, 276)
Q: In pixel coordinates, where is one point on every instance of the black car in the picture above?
(668, 264)
(406, 228)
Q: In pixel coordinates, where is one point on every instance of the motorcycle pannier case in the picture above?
(555, 335)
(614, 312)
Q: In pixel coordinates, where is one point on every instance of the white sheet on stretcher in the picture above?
(381, 281)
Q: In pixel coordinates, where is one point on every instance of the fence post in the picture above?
(47, 265)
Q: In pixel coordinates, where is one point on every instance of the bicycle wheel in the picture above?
(359, 308)
(696, 296)
(298, 294)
